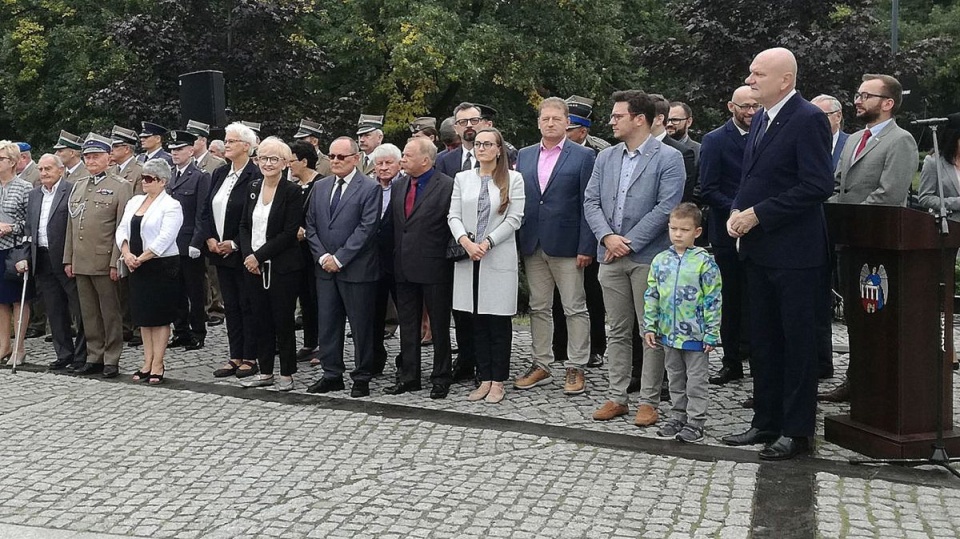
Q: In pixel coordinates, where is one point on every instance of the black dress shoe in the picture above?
(214, 321)
(110, 371)
(33, 333)
(74, 367)
(403, 387)
(326, 385)
(182, 340)
(840, 394)
(49, 338)
(462, 373)
(596, 360)
(193, 344)
(786, 447)
(360, 389)
(135, 341)
(89, 368)
(725, 375)
(60, 364)
(439, 391)
(306, 354)
(751, 437)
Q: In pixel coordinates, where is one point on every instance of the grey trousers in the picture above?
(688, 371)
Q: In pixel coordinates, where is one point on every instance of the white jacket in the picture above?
(159, 227)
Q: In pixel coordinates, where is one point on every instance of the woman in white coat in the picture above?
(147, 237)
(486, 210)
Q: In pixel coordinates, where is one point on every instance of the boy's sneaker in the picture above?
(690, 434)
(670, 429)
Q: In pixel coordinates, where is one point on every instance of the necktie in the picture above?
(863, 143)
(411, 198)
(468, 162)
(178, 176)
(336, 196)
(764, 120)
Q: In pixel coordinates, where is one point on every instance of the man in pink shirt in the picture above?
(556, 244)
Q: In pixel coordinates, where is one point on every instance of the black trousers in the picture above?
(276, 324)
(241, 322)
(336, 301)
(596, 310)
(307, 295)
(733, 297)
(59, 294)
(411, 298)
(191, 312)
(783, 305)
(386, 288)
(492, 338)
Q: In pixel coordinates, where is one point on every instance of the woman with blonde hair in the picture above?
(13, 215)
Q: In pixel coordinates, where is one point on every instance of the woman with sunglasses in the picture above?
(147, 237)
(486, 210)
(273, 262)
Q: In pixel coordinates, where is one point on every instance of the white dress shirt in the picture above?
(261, 213)
(219, 202)
(45, 206)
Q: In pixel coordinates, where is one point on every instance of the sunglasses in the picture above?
(149, 179)
(338, 157)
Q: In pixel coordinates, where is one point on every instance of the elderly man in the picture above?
(26, 168)
(386, 166)
(218, 148)
(46, 223)
(68, 148)
(90, 254)
(419, 204)
(834, 110)
(369, 136)
(342, 222)
(125, 162)
(777, 216)
(151, 140)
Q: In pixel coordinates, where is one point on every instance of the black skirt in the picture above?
(155, 292)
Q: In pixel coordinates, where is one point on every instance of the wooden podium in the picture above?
(889, 261)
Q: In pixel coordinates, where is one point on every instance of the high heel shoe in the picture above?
(155, 379)
(480, 392)
(141, 376)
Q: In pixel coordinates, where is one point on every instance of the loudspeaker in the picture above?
(202, 99)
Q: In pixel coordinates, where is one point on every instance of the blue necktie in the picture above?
(763, 129)
(336, 196)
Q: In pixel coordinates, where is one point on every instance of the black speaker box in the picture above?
(202, 98)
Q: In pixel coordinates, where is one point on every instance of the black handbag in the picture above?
(455, 251)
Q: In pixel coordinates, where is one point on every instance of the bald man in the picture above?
(777, 219)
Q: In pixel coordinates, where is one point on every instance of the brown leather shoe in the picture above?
(535, 376)
(646, 416)
(610, 410)
(840, 394)
(574, 383)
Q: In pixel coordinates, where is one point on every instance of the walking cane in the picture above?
(16, 336)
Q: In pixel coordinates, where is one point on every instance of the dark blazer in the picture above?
(450, 162)
(350, 232)
(56, 225)
(841, 141)
(162, 154)
(286, 216)
(385, 233)
(690, 191)
(721, 166)
(235, 205)
(786, 180)
(420, 241)
(554, 219)
(192, 191)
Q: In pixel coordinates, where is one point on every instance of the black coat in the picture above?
(285, 219)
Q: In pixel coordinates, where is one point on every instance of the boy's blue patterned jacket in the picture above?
(682, 301)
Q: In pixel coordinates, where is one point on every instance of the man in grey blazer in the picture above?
(878, 162)
(46, 225)
(342, 223)
(627, 204)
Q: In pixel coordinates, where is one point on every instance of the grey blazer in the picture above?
(56, 225)
(935, 168)
(655, 189)
(882, 173)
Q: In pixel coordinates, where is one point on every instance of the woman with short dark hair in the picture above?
(303, 169)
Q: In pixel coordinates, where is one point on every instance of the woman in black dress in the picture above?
(147, 237)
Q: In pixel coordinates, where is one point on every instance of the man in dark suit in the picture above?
(678, 126)
(191, 188)
(419, 204)
(342, 222)
(777, 216)
(151, 140)
(721, 166)
(659, 131)
(832, 108)
(557, 244)
(46, 224)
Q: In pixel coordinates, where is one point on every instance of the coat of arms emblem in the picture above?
(874, 288)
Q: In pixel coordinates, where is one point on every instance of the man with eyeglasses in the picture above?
(659, 131)
(678, 126)
(721, 166)
(877, 163)
(832, 108)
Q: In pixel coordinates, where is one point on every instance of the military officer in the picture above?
(90, 255)
(255, 127)
(579, 129)
(311, 132)
(26, 169)
(151, 140)
(68, 150)
(369, 136)
(205, 161)
(124, 158)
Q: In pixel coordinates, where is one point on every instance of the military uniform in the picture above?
(209, 162)
(366, 124)
(96, 206)
(77, 173)
(596, 144)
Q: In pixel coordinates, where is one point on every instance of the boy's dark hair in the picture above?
(687, 210)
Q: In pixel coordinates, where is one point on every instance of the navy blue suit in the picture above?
(450, 162)
(721, 166)
(841, 140)
(192, 191)
(786, 179)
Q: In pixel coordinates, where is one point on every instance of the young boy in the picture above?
(682, 314)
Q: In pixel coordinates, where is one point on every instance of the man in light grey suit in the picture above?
(627, 204)
(878, 163)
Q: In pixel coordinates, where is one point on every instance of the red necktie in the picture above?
(863, 143)
(411, 198)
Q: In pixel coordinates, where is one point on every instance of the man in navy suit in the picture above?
(342, 223)
(777, 218)
(834, 111)
(190, 186)
(151, 140)
(721, 166)
(557, 244)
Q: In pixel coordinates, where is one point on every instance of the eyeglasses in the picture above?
(2, 157)
(485, 145)
(617, 117)
(863, 96)
(472, 121)
(272, 159)
(748, 106)
(339, 157)
(676, 120)
(149, 179)
(233, 141)
(832, 112)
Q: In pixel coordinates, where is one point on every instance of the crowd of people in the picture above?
(611, 238)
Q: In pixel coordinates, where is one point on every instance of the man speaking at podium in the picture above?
(777, 218)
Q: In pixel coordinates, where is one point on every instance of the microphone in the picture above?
(930, 121)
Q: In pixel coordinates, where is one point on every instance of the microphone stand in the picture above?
(939, 457)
